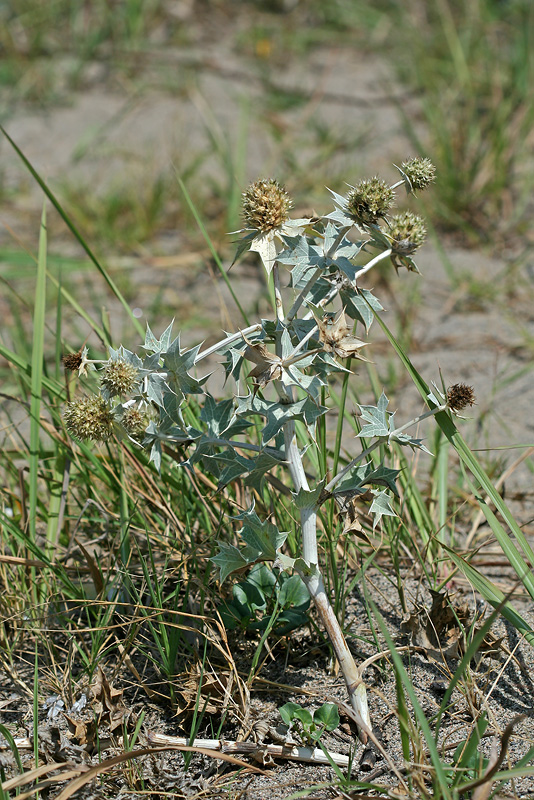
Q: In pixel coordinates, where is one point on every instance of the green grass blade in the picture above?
(471, 462)
(74, 230)
(37, 373)
(212, 249)
(418, 711)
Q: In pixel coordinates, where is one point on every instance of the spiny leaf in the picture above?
(277, 414)
(158, 345)
(261, 536)
(228, 559)
(381, 507)
(178, 362)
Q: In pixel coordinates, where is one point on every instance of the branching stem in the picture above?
(381, 440)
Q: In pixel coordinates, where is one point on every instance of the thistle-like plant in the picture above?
(288, 361)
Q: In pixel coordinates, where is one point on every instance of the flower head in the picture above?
(459, 396)
(77, 361)
(407, 232)
(265, 205)
(134, 421)
(89, 418)
(369, 200)
(420, 172)
(119, 376)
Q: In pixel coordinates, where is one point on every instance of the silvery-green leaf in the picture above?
(263, 244)
(380, 507)
(261, 536)
(243, 244)
(155, 455)
(156, 389)
(233, 361)
(178, 362)
(158, 345)
(228, 559)
(311, 384)
(405, 439)
(219, 417)
(377, 417)
(232, 466)
(360, 305)
(308, 499)
(277, 414)
(261, 465)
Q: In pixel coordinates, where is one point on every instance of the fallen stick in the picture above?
(259, 751)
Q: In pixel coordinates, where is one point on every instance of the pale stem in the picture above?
(373, 262)
(308, 519)
(227, 340)
(279, 306)
(396, 185)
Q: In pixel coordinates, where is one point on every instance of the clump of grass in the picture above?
(472, 69)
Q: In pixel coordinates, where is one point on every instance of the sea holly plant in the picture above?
(281, 369)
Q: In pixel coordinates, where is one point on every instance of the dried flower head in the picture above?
(408, 233)
(336, 338)
(72, 361)
(77, 361)
(119, 376)
(134, 421)
(89, 418)
(421, 172)
(265, 205)
(460, 396)
(369, 200)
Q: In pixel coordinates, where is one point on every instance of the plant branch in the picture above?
(381, 440)
(232, 337)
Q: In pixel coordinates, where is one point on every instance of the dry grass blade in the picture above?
(485, 781)
(35, 774)
(105, 766)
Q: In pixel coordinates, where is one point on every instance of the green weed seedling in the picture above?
(307, 727)
(281, 600)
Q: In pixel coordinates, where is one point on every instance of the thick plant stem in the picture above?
(314, 583)
(353, 681)
(311, 574)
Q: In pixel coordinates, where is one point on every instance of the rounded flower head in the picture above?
(89, 418)
(134, 421)
(119, 377)
(369, 200)
(421, 172)
(265, 205)
(408, 233)
(460, 396)
(72, 361)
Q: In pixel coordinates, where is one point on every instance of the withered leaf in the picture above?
(269, 366)
(108, 704)
(336, 338)
(441, 632)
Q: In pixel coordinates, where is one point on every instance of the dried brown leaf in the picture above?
(336, 338)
